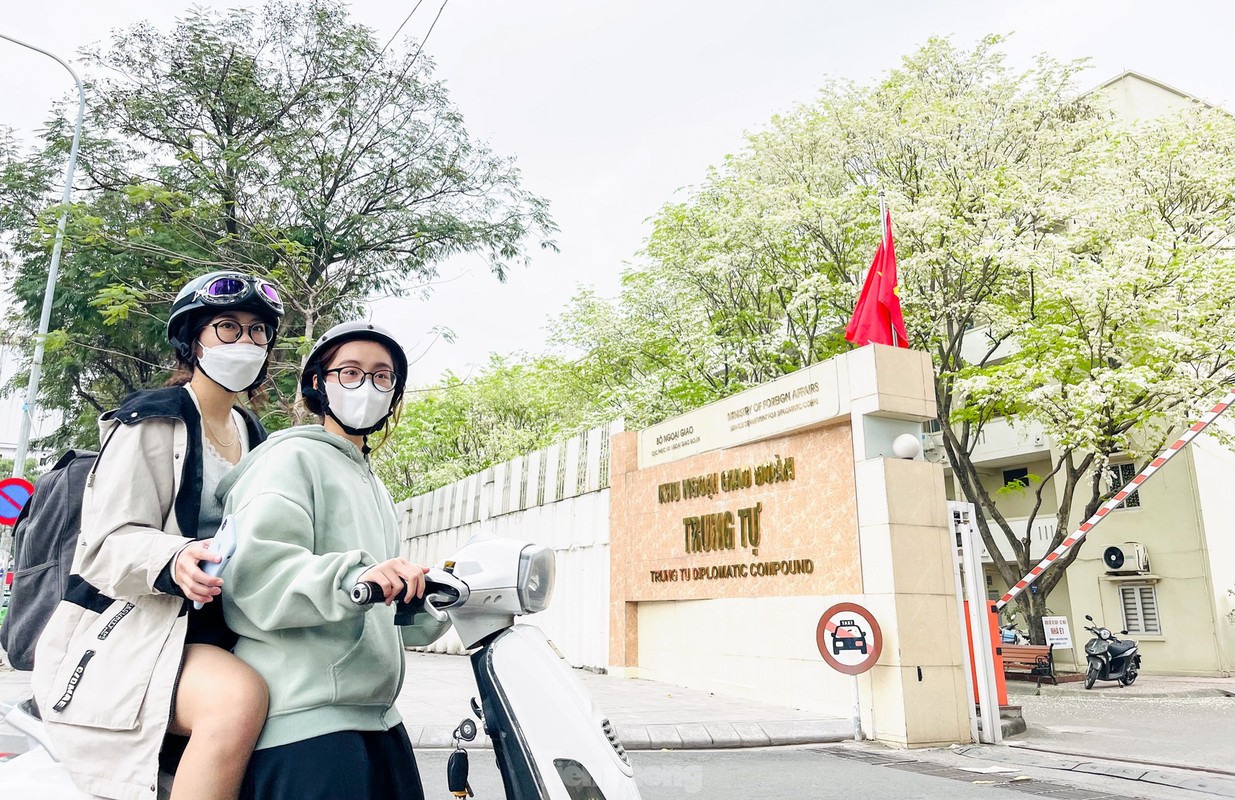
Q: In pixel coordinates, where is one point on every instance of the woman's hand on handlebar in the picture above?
(196, 585)
(391, 575)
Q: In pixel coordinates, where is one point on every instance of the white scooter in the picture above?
(550, 740)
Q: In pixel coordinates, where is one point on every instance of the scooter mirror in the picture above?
(1125, 633)
(1089, 618)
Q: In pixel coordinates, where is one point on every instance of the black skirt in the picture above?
(348, 765)
(206, 626)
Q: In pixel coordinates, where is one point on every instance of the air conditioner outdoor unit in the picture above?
(1126, 557)
(928, 443)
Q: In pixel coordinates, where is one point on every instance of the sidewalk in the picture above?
(648, 715)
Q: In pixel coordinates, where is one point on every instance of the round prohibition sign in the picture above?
(14, 494)
(849, 638)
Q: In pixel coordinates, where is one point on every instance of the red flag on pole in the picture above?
(877, 318)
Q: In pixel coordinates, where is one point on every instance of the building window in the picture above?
(1140, 605)
(1119, 475)
(1020, 476)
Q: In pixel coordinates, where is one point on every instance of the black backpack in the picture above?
(44, 538)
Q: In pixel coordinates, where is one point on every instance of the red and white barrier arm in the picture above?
(1116, 501)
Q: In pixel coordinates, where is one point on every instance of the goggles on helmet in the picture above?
(230, 289)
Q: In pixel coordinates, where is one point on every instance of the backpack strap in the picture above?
(72, 454)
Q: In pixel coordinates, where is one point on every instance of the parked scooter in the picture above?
(1010, 634)
(549, 739)
(1110, 658)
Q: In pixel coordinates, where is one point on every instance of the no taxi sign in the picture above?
(849, 638)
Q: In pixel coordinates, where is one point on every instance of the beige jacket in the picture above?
(106, 666)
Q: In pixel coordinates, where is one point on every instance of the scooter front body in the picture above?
(1122, 663)
(550, 740)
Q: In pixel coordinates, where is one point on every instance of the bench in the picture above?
(1029, 662)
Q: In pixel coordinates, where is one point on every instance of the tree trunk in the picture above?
(1033, 617)
(300, 414)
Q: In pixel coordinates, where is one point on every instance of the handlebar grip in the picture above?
(367, 592)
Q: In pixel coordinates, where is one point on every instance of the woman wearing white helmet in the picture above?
(313, 521)
(127, 658)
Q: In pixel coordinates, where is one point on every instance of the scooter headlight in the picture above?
(1104, 633)
(536, 573)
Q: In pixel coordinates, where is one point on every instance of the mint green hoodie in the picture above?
(311, 517)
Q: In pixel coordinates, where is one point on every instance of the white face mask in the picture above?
(232, 366)
(358, 408)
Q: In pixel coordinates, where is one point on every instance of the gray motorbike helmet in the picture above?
(315, 399)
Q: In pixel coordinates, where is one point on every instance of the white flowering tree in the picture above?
(1062, 267)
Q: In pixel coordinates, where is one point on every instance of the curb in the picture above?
(684, 736)
(1053, 691)
(1012, 727)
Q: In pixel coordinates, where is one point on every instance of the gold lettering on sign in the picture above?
(729, 480)
(753, 569)
(710, 532)
(748, 519)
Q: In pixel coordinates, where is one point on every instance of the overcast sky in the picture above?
(613, 107)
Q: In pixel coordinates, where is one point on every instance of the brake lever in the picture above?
(433, 610)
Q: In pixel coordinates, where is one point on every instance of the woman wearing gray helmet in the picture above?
(127, 658)
(313, 521)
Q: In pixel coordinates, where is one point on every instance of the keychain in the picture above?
(456, 767)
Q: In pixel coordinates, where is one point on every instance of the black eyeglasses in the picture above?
(353, 378)
(230, 331)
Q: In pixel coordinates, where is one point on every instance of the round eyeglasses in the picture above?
(230, 331)
(383, 380)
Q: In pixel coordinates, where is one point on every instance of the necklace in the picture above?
(219, 438)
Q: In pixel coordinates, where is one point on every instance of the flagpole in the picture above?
(883, 232)
(883, 216)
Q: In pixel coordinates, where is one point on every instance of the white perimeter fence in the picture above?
(557, 497)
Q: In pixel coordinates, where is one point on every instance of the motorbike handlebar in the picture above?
(436, 597)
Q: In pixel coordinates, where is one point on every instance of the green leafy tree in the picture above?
(1064, 269)
(466, 424)
(284, 141)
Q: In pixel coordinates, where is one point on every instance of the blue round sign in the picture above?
(14, 494)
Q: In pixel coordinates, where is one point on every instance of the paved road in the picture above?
(1188, 731)
(832, 771)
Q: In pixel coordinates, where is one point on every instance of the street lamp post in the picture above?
(36, 365)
